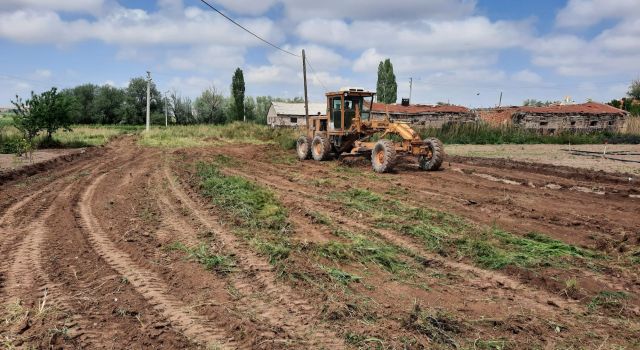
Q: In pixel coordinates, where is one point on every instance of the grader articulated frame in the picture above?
(349, 129)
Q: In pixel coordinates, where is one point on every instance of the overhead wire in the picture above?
(316, 75)
(314, 72)
(248, 31)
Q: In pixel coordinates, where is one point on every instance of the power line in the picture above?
(315, 75)
(248, 31)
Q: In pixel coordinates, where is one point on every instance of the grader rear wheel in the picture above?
(303, 147)
(435, 155)
(383, 156)
(320, 148)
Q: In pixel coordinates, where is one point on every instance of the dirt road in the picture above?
(89, 258)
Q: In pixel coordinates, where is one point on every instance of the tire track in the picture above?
(147, 283)
(482, 276)
(284, 308)
(26, 275)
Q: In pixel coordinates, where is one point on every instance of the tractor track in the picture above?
(451, 195)
(510, 288)
(280, 305)
(148, 284)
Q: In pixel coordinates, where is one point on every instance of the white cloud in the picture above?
(367, 9)
(41, 74)
(464, 35)
(527, 76)
(585, 13)
(81, 6)
(247, 7)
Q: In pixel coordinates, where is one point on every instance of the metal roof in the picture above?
(285, 108)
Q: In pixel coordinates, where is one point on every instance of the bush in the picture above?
(486, 134)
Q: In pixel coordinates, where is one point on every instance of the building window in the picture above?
(294, 120)
(544, 123)
(610, 122)
(573, 123)
(593, 123)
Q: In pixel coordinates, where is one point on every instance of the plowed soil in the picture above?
(86, 258)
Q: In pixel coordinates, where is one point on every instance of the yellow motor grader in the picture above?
(349, 129)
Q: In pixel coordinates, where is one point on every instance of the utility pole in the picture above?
(410, 88)
(500, 101)
(306, 98)
(166, 110)
(148, 100)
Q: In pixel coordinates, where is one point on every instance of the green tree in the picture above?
(634, 89)
(108, 104)
(209, 107)
(182, 109)
(237, 94)
(135, 109)
(48, 111)
(250, 108)
(263, 103)
(386, 86)
(84, 111)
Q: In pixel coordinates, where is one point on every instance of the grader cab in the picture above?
(348, 129)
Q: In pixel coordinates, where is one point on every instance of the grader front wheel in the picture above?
(383, 156)
(320, 148)
(303, 147)
(434, 157)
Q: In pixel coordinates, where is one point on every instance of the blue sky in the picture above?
(461, 51)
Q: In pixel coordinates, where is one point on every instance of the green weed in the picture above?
(214, 262)
(208, 135)
(448, 234)
(611, 300)
(486, 134)
(341, 276)
(365, 251)
(253, 204)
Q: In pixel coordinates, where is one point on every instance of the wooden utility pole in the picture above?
(306, 98)
(148, 100)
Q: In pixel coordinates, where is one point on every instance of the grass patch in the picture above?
(609, 300)
(253, 204)
(319, 218)
(341, 276)
(214, 262)
(450, 235)
(207, 135)
(363, 250)
(438, 325)
(80, 136)
(486, 134)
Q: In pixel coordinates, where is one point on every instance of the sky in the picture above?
(464, 52)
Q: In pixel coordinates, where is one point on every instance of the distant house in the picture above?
(585, 117)
(424, 115)
(283, 114)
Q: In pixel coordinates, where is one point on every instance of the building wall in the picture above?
(286, 121)
(432, 120)
(551, 123)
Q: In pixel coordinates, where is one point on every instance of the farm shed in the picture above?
(283, 114)
(425, 115)
(584, 117)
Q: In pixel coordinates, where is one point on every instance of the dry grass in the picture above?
(632, 126)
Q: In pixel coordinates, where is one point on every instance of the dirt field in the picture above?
(563, 155)
(132, 247)
(11, 162)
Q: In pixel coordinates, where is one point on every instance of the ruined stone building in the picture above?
(585, 117)
(424, 115)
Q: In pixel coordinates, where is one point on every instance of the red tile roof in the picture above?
(417, 109)
(584, 108)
